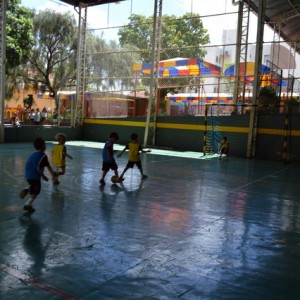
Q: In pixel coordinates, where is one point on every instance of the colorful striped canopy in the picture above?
(203, 99)
(180, 67)
(246, 69)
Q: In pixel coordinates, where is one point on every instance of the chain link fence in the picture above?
(119, 78)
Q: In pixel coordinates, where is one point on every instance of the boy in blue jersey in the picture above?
(108, 157)
(34, 169)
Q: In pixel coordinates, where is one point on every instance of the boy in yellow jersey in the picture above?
(59, 154)
(224, 148)
(134, 148)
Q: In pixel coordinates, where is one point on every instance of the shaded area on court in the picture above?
(195, 229)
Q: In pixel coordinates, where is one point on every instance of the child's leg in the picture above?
(61, 171)
(221, 152)
(105, 169)
(103, 175)
(142, 174)
(141, 170)
(34, 190)
(101, 181)
(124, 171)
(139, 165)
(24, 192)
(31, 200)
(226, 154)
(55, 180)
(129, 165)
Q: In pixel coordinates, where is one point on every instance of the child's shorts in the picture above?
(224, 150)
(34, 186)
(131, 164)
(106, 166)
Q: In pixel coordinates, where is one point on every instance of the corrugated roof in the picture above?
(284, 16)
(89, 2)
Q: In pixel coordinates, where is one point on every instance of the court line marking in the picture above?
(35, 282)
(259, 179)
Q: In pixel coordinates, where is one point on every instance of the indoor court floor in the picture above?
(195, 229)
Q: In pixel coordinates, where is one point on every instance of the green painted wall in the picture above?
(184, 133)
(29, 133)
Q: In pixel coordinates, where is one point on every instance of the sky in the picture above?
(114, 15)
(213, 13)
(216, 15)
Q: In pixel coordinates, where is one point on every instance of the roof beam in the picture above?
(287, 15)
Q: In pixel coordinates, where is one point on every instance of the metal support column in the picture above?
(156, 45)
(276, 45)
(257, 73)
(276, 72)
(241, 50)
(3, 5)
(291, 70)
(78, 114)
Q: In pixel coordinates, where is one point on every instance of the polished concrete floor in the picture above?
(195, 229)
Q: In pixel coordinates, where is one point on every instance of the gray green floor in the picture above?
(195, 229)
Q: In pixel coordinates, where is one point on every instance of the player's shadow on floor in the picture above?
(33, 245)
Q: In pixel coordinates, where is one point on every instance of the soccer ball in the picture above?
(114, 179)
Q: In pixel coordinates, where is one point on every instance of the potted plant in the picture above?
(292, 104)
(269, 101)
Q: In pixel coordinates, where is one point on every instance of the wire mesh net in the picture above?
(204, 72)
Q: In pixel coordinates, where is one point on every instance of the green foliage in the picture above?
(107, 62)
(182, 36)
(19, 41)
(292, 102)
(293, 105)
(28, 101)
(19, 35)
(268, 91)
(52, 62)
(268, 96)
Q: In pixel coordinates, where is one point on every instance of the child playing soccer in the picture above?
(34, 168)
(134, 148)
(224, 148)
(59, 154)
(108, 157)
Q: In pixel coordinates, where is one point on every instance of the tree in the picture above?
(19, 41)
(94, 62)
(108, 64)
(52, 62)
(180, 36)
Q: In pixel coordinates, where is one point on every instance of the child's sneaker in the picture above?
(120, 179)
(23, 193)
(102, 182)
(144, 176)
(29, 208)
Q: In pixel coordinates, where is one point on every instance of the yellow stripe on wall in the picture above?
(278, 131)
(114, 122)
(180, 126)
(244, 130)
